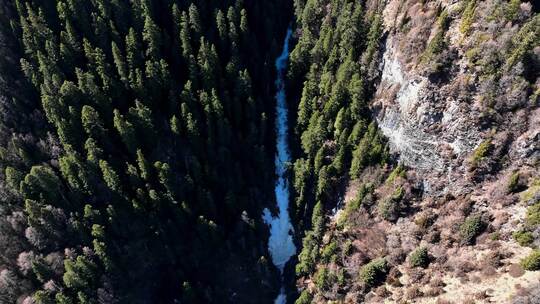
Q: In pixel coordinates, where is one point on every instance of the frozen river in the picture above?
(280, 243)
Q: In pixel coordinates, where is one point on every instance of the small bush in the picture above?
(524, 42)
(435, 47)
(512, 9)
(443, 20)
(532, 262)
(481, 152)
(348, 248)
(341, 277)
(424, 220)
(374, 272)
(533, 215)
(398, 194)
(308, 255)
(329, 253)
(363, 191)
(419, 257)
(13, 177)
(399, 171)
(495, 236)
(304, 298)
(524, 238)
(532, 192)
(470, 229)
(324, 279)
(513, 183)
(468, 17)
(389, 208)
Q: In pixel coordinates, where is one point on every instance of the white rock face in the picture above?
(421, 124)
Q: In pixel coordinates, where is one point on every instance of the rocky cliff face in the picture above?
(457, 100)
(433, 121)
(422, 123)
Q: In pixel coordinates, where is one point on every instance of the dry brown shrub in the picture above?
(493, 259)
(494, 245)
(433, 236)
(465, 206)
(463, 268)
(371, 242)
(381, 291)
(476, 279)
(520, 291)
(373, 298)
(448, 208)
(393, 277)
(468, 300)
(397, 293)
(528, 295)
(437, 282)
(500, 218)
(352, 298)
(420, 25)
(489, 271)
(515, 270)
(413, 292)
(356, 260)
(359, 219)
(415, 275)
(481, 295)
(433, 291)
(428, 274)
(396, 256)
(450, 228)
(440, 267)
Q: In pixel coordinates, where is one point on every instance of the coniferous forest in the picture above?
(138, 151)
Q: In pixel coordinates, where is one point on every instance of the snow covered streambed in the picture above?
(280, 243)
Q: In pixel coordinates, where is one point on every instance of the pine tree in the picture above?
(141, 116)
(42, 183)
(195, 20)
(111, 178)
(243, 22)
(144, 166)
(93, 126)
(120, 63)
(221, 25)
(126, 131)
(74, 171)
(208, 64)
(152, 38)
(133, 52)
(80, 273)
(185, 37)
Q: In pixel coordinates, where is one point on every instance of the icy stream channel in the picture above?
(280, 243)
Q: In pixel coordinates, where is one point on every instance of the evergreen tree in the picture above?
(126, 131)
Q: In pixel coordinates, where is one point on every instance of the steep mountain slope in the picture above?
(450, 215)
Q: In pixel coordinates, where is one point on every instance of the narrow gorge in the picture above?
(280, 243)
(284, 151)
